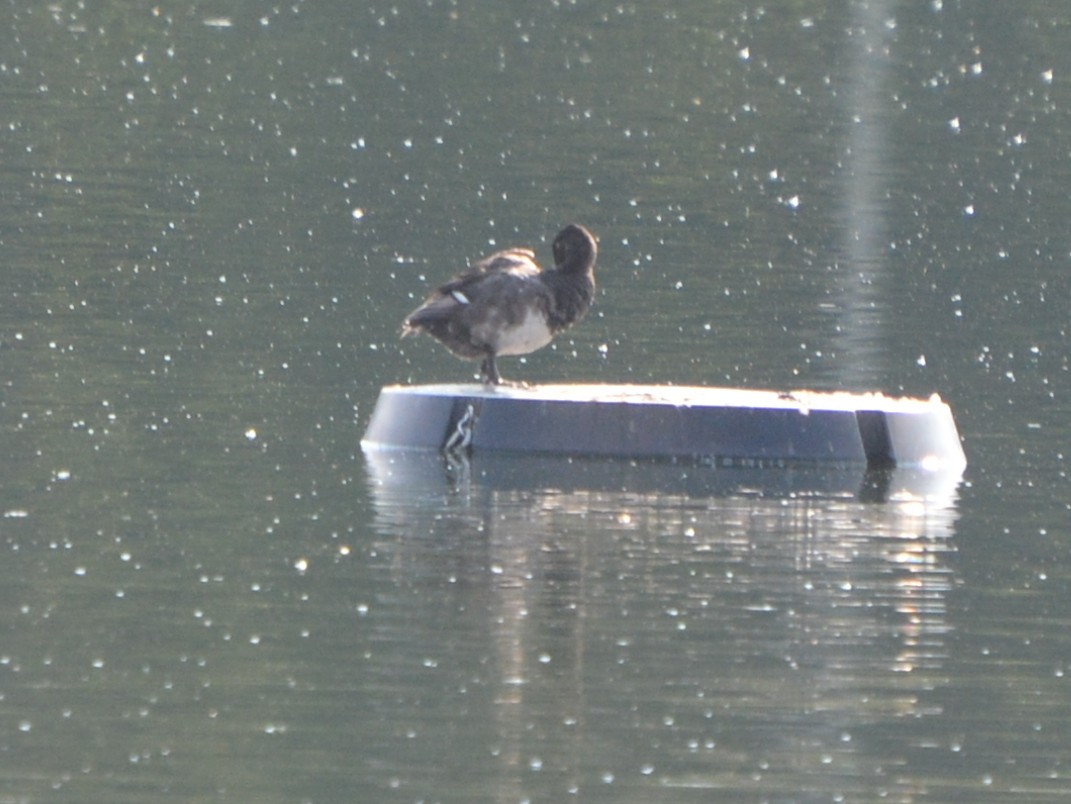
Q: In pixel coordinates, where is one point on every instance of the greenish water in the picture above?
(212, 221)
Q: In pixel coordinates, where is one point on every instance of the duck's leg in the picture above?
(489, 371)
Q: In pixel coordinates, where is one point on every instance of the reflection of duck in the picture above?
(506, 305)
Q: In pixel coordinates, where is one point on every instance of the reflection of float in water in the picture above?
(402, 469)
(740, 618)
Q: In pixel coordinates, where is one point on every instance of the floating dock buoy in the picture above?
(721, 426)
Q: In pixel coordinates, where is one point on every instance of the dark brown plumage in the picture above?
(505, 304)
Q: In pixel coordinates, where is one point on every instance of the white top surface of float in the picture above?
(684, 396)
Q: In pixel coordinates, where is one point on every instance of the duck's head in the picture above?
(575, 249)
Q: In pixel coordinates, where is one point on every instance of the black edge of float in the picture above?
(719, 425)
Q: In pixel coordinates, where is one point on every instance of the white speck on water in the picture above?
(535, 763)
(251, 434)
(793, 202)
(218, 22)
(607, 777)
(1046, 76)
(254, 639)
(921, 360)
(80, 571)
(954, 124)
(301, 565)
(357, 213)
(744, 53)
(25, 725)
(16, 513)
(968, 210)
(932, 463)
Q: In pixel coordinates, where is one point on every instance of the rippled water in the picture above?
(213, 221)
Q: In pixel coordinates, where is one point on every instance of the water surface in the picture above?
(213, 221)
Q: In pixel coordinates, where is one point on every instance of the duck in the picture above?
(505, 304)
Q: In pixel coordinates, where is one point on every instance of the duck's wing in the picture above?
(510, 258)
(503, 274)
(497, 294)
(519, 262)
